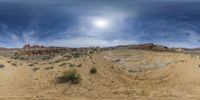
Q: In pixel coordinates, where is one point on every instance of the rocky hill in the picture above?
(39, 50)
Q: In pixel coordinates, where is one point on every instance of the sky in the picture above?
(83, 23)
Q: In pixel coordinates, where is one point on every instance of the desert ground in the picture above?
(121, 74)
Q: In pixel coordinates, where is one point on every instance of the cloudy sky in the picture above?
(80, 23)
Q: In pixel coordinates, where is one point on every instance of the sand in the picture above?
(121, 75)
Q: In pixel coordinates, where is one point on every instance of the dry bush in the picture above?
(63, 64)
(2, 66)
(93, 70)
(71, 76)
(48, 68)
(79, 65)
(14, 64)
(35, 69)
(31, 65)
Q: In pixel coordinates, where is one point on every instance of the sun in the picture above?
(101, 23)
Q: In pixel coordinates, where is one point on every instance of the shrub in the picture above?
(31, 65)
(67, 56)
(15, 57)
(76, 55)
(8, 61)
(35, 69)
(23, 58)
(71, 65)
(1, 66)
(47, 68)
(57, 61)
(36, 63)
(63, 64)
(14, 64)
(71, 76)
(46, 57)
(93, 70)
(79, 65)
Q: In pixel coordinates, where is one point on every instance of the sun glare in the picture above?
(100, 23)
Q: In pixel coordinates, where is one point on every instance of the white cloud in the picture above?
(84, 34)
(180, 44)
(14, 37)
(29, 38)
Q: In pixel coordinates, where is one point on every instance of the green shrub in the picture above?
(93, 70)
(71, 76)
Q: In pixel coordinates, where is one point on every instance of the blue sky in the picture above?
(70, 23)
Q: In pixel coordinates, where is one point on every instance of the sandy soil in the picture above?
(121, 75)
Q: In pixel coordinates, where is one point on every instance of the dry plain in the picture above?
(122, 74)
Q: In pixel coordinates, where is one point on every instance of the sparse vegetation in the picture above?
(9, 61)
(1, 66)
(47, 68)
(79, 65)
(76, 55)
(117, 60)
(57, 61)
(67, 57)
(35, 69)
(31, 65)
(23, 58)
(63, 64)
(46, 57)
(71, 76)
(93, 70)
(71, 65)
(15, 57)
(14, 64)
(36, 63)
